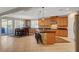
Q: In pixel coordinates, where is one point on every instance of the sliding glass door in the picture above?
(6, 27)
(10, 27)
(3, 27)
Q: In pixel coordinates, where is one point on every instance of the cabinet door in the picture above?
(57, 32)
(62, 21)
(63, 33)
(51, 38)
(65, 21)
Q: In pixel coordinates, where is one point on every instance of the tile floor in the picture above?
(28, 44)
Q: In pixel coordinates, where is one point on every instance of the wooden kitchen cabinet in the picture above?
(51, 39)
(62, 33)
(48, 37)
(62, 21)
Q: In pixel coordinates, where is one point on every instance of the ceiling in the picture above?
(35, 12)
(3, 9)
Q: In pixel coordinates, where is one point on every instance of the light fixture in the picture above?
(67, 9)
(43, 13)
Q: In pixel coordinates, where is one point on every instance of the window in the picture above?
(34, 23)
(19, 23)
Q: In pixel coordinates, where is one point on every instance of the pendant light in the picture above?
(43, 13)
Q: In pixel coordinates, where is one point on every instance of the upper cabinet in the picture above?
(44, 23)
(62, 21)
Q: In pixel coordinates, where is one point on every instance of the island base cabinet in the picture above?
(48, 38)
(51, 38)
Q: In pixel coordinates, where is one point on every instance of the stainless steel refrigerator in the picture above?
(76, 31)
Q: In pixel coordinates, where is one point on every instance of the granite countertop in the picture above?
(48, 31)
(62, 28)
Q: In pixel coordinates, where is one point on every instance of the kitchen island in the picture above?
(48, 36)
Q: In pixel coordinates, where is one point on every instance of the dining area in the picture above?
(21, 31)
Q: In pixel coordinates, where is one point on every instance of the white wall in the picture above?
(71, 19)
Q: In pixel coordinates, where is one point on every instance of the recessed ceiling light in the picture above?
(60, 9)
(67, 9)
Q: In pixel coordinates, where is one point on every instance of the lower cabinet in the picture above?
(63, 33)
(49, 37)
